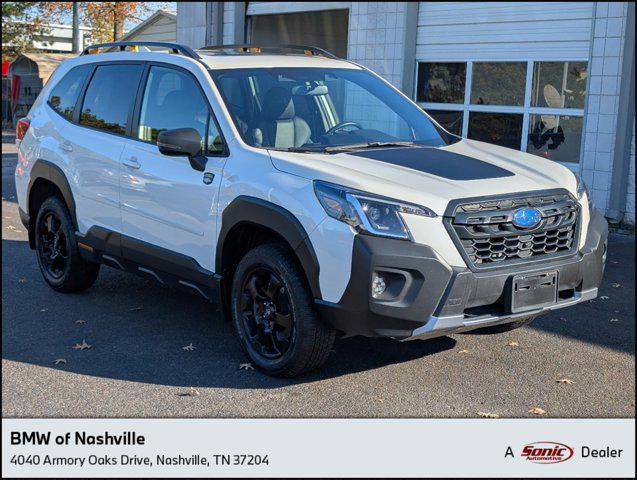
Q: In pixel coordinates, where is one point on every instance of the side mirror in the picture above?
(183, 142)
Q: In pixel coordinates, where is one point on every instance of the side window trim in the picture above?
(79, 96)
(80, 100)
(140, 98)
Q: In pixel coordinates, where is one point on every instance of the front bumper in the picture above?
(427, 298)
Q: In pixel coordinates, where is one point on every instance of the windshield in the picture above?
(322, 109)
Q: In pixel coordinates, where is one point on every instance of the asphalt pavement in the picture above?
(576, 362)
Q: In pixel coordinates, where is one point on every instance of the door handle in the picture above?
(132, 162)
(66, 146)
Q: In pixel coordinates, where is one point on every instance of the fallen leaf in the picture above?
(566, 381)
(616, 285)
(189, 347)
(23, 280)
(80, 322)
(603, 297)
(613, 320)
(464, 350)
(246, 366)
(488, 415)
(60, 360)
(513, 344)
(81, 346)
(135, 309)
(537, 411)
(193, 392)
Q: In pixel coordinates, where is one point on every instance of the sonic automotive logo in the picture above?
(547, 452)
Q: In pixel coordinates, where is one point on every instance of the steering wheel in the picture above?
(342, 125)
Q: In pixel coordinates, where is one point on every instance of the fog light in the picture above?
(378, 286)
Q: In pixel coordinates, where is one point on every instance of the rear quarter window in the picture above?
(110, 97)
(65, 94)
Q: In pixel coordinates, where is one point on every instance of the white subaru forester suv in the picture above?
(301, 191)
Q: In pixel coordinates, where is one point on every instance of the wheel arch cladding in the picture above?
(47, 179)
(245, 210)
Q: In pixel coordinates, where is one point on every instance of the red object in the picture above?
(21, 128)
(5, 67)
(15, 90)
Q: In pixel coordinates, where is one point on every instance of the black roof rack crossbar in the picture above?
(250, 48)
(173, 47)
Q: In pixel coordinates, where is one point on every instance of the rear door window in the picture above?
(110, 97)
(65, 94)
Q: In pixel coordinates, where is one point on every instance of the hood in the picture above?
(431, 176)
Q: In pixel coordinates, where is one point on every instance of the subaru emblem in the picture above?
(527, 218)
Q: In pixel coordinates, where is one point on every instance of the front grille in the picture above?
(486, 235)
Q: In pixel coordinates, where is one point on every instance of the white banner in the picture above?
(318, 447)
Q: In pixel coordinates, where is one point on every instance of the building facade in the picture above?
(161, 26)
(555, 79)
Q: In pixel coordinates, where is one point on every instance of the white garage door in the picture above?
(509, 73)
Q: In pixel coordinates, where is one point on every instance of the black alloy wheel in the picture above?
(274, 315)
(266, 313)
(59, 258)
(53, 245)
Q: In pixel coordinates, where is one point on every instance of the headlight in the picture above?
(367, 213)
(581, 190)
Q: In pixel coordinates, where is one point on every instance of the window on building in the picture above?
(441, 82)
(559, 84)
(64, 95)
(534, 106)
(451, 120)
(503, 129)
(172, 100)
(556, 137)
(110, 96)
(498, 83)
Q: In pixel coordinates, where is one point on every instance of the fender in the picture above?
(256, 211)
(51, 172)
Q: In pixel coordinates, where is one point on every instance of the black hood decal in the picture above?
(435, 161)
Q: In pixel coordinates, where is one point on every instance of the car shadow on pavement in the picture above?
(137, 331)
(609, 320)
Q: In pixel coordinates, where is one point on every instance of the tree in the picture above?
(20, 24)
(106, 19)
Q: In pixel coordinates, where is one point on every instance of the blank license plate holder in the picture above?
(532, 291)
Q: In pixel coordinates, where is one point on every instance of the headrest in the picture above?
(176, 100)
(278, 104)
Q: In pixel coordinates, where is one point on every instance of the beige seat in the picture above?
(280, 127)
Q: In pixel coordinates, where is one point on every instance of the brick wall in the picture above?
(603, 99)
(376, 40)
(228, 23)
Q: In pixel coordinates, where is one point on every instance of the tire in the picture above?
(273, 314)
(504, 327)
(61, 264)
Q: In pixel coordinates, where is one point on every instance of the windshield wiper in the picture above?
(360, 146)
(305, 149)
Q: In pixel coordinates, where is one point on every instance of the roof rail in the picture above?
(173, 47)
(250, 48)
